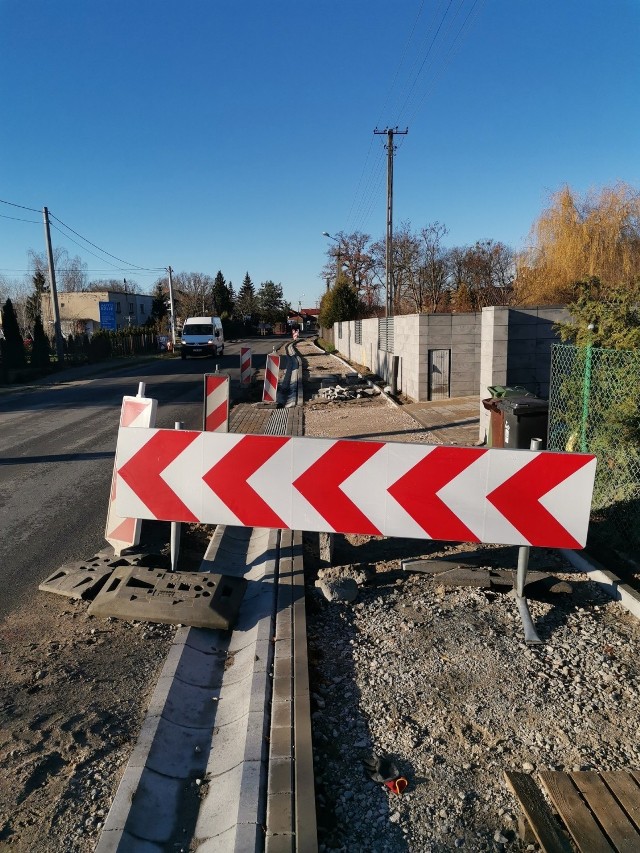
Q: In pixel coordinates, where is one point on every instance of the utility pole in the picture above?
(390, 132)
(54, 293)
(172, 318)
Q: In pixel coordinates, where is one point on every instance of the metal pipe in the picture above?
(530, 635)
(175, 528)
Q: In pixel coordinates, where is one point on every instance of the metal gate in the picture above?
(439, 373)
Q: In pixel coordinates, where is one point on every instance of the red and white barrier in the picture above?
(245, 365)
(216, 403)
(271, 374)
(461, 494)
(120, 531)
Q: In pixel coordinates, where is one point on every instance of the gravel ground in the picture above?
(439, 680)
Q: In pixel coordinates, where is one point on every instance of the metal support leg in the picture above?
(530, 635)
(175, 528)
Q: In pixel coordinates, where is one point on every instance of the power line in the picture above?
(18, 219)
(104, 251)
(12, 204)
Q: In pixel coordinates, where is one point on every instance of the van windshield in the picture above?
(198, 329)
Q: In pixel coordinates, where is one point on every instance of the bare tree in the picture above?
(71, 273)
(351, 255)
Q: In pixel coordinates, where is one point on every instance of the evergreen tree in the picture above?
(159, 310)
(221, 296)
(40, 351)
(13, 353)
(246, 305)
(33, 305)
(604, 316)
(270, 302)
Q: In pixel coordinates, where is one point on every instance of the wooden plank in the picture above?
(574, 812)
(540, 817)
(627, 792)
(636, 775)
(621, 832)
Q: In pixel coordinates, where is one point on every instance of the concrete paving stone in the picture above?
(243, 838)
(280, 744)
(199, 668)
(257, 613)
(279, 814)
(148, 730)
(282, 662)
(243, 739)
(253, 658)
(260, 691)
(178, 751)
(283, 688)
(284, 624)
(234, 700)
(233, 798)
(119, 812)
(281, 712)
(280, 776)
(117, 841)
(189, 705)
(155, 807)
(206, 640)
(285, 843)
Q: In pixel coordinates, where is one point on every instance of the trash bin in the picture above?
(524, 418)
(495, 435)
(509, 391)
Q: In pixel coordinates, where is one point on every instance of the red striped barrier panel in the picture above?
(271, 374)
(245, 365)
(216, 403)
(123, 531)
(462, 494)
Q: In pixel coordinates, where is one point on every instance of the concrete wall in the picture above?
(499, 346)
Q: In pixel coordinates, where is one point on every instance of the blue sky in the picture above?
(221, 134)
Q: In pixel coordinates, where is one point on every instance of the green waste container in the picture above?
(508, 391)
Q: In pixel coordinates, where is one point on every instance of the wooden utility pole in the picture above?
(390, 132)
(57, 331)
(172, 319)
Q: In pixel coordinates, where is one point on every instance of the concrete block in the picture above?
(281, 745)
(280, 776)
(233, 799)
(281, 712)
(244, 739)
(178, 751)
(201, 669)
(117, 841)
(190, 705)
(285, 843)
(156, 807)
(279, 814)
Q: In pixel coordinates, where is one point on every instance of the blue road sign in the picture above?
(107, 315)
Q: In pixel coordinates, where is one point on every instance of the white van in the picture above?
(202, 336)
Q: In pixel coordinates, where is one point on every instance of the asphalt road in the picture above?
(57, 445)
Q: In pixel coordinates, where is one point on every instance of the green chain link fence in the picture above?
(594, 407)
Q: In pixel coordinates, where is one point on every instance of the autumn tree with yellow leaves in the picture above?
(579, 238)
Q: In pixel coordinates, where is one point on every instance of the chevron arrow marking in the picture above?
(518, 498)
(143, 474)
(228, 479)
(320, 485)
(417, 492)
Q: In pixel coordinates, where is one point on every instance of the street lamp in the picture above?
(338, 254)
